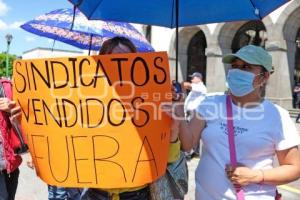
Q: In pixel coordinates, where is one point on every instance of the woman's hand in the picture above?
(242, 176)
(11, 108)
(29, 162)
(6, 104)
(15, 114)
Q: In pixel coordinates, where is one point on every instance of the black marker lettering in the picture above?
(160, 60)
(145, 66)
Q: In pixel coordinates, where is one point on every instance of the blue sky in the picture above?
(13, 13)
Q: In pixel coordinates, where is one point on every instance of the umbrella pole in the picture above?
(177, 40)
(53, 45)
(90, 45)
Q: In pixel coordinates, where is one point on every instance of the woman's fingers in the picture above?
(6, 104)
(15, 113)
(240, 175)
(30, 164)
(231, 174)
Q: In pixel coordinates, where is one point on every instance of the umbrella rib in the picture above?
(74, 13)
(78, 3)
(95, 8)
(256, 8)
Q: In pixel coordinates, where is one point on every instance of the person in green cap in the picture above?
(260, 130)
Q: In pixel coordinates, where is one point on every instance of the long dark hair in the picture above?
(110, 44)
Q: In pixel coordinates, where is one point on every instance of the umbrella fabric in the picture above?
(190, 12)
(84, 34)
(176, 13)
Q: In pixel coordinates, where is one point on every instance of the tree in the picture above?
(11, 59)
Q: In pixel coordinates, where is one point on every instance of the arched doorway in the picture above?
(196, 55)
(253, 32)
(297, 57)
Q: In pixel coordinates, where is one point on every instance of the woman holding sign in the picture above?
(9, 160)
(113, 46)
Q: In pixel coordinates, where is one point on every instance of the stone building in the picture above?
(201, 49)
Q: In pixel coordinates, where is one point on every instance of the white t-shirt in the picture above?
(259, 132)
(195, 97)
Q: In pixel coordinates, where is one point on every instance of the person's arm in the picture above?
(189, 132)
(288, 171)
(187, 85)
(15, 114)
(10, 107)
(297, 89)
(286, 140)
(6, 104)
(174, 148)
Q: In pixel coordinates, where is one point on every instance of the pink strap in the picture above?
(239, 192)
(230, 128)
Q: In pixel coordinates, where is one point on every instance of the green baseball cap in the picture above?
(251, 54)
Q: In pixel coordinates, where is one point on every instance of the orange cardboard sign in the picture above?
(96, 121)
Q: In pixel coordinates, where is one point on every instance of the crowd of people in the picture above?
(260, 130)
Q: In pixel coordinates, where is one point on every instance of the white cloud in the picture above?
(3, 8)
(30, 39)
(3, 25)
(15, 25)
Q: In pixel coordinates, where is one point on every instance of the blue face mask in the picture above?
(240, 82)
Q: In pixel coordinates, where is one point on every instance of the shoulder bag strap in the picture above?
(233, 161)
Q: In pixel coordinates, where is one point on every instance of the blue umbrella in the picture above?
(177, 13)
(189, 12)
(78, 31)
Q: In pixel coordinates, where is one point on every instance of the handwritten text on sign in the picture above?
(96, 121)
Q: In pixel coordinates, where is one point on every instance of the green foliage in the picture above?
(11, 59)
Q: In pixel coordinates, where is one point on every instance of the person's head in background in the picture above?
(117, 45)
(196, 77)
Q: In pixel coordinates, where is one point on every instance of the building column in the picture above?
(182, 67)
(279, 87)
(215, 69)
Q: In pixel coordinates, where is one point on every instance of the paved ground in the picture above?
(32, 188)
